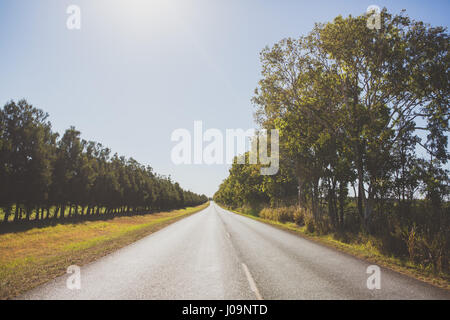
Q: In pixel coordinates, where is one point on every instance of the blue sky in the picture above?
(137, 70)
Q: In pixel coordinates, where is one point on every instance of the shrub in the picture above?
(283, 214)
(433, 251)
(411, 243)
(299, 216)
(309, 222)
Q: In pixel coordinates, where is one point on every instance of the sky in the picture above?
(137, 70)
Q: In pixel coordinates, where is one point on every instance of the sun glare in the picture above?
(135, 15)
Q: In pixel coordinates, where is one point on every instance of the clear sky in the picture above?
(139, 69)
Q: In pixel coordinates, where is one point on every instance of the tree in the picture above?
(342, 91)
(38, 172)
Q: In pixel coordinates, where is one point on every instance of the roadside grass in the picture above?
(363, 249)
(35, 256)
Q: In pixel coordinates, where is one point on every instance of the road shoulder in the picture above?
(356, 251)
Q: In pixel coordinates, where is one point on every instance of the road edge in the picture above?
(51, 269)
(437, 282)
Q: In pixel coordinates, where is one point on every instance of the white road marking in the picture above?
(251, 282)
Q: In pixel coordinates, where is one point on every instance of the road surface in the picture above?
(216, 254)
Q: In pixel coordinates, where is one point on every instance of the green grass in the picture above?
(363, 248)
(35, 256)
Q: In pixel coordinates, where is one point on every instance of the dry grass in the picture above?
(30, 258)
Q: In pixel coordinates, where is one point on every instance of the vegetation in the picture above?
(363, 122)
(32, 257)
(46, 178)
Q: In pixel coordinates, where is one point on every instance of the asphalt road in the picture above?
(216, 254)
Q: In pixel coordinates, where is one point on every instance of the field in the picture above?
(35, 256)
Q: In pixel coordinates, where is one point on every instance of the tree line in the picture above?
(46, 177)
(363, 122)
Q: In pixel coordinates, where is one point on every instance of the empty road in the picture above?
(216, 254)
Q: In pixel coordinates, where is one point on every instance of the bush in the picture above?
(431, 251)
(266, 213)
(411, 243)
(299, 216)
(283, 214)
(392, 243)
(309, 222)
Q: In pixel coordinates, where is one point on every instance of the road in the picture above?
(216, 254)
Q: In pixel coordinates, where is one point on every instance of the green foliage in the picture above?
(38, 172)
(350, 104)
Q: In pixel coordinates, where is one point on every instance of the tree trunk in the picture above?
(63, 212)
(341, 205)
(7, 214)
(28, 213)
(368, 209)
(55, 214)
(16, 213)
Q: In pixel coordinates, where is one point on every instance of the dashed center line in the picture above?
(251, 282)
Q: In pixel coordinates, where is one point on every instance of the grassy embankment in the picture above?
(33, 257)
(363, 248)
